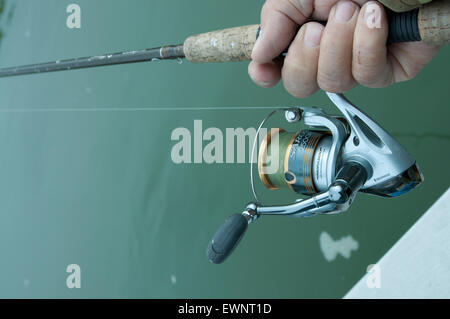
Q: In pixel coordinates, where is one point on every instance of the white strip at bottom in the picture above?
(418, 265)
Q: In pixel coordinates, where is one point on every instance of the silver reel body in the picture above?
(357, 155)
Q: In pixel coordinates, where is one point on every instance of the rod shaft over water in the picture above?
(160, 53)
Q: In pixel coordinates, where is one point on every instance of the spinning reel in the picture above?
(330, 162)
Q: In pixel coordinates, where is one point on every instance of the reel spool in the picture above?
(302, 161)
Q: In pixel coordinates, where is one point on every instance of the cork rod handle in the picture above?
(434, 22)
(229, 45)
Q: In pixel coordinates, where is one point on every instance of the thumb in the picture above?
(279, 22)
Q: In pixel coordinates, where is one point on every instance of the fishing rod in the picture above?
(331, 161)
(429, 23)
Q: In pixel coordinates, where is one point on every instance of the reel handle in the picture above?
(227, 238)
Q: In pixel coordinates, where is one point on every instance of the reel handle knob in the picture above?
(227, 238)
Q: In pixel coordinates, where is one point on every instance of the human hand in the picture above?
(349, 50)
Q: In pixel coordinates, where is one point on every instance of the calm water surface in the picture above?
(86, 175)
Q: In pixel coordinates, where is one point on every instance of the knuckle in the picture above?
(295, 9)
(328, 82)
(368, 61)
(268, 6)
(372, 78)
(366, 75)
(292, 91)
(297, 80)
(298, 90)
(304, 6)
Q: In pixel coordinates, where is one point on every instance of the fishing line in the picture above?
(134, 109)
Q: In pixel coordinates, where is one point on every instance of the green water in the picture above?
(86, 175)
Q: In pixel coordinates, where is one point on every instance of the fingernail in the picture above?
(344, 11)
(372, 15)
(263, 83)
(313, 34)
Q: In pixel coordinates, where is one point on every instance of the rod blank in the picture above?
(146, 55)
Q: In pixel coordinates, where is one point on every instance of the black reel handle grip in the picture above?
(226, 238)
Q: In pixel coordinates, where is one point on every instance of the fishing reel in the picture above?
(330, 162)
